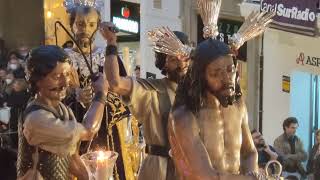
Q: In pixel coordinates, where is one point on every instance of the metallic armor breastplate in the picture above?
(50, 166)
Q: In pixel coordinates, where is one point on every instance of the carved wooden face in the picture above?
(176, 68)
(220, 75)
(85, 24)
(54, 86)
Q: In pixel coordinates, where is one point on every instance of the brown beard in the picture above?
(84, 40)
(224, 100)
(175, 75)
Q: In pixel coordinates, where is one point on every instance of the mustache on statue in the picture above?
(57, 88)
(227, 86)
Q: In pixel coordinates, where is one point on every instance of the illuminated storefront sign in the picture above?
(126, 16)
(126, 24)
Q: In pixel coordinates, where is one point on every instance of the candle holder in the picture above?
(99, 164)
(275, 175)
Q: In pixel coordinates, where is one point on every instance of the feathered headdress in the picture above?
(209, 12)
(164, 41)
(254, 25)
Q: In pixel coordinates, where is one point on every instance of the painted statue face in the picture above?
(54, 85)
(220, 75)
(85, 24)
(176, 68)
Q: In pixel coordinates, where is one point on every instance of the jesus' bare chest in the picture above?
(220, 131)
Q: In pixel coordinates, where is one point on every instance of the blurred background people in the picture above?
(137, 71)
(313, 165)
(67, 45)
(290, 146)
(265, 151)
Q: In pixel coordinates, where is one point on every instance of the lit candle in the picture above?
(102, 166)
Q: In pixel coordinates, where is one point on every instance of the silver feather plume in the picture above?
(165, 41)
(71, 4)
(209, 12)
(254, 25)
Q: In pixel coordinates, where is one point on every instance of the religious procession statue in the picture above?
(119, 130)
(208, 125)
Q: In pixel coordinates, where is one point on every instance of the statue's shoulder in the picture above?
(152, 84)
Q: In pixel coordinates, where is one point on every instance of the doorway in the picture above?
(304, 105)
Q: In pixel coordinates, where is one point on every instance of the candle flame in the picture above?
(101, 156)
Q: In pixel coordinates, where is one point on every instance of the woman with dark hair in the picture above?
(208, 127)
(48, 129)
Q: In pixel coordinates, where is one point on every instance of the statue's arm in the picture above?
(249, 155)
(118, 84)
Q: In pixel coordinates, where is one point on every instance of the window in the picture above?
(157, 4)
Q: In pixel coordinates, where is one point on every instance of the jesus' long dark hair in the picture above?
(191, 90)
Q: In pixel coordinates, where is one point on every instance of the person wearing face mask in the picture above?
(14, 65)
(8, 83)
(17, 100)
(9, 80)
(290, 147)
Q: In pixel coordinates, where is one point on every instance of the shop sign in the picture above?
(126, 16)
(303, 59)
(125, 12)
(297, 16)
(126, 25)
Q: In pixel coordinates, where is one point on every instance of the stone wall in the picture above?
(21, 23)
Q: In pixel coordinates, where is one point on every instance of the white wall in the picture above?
(105, 16)
(281, 49)
(151, 18)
